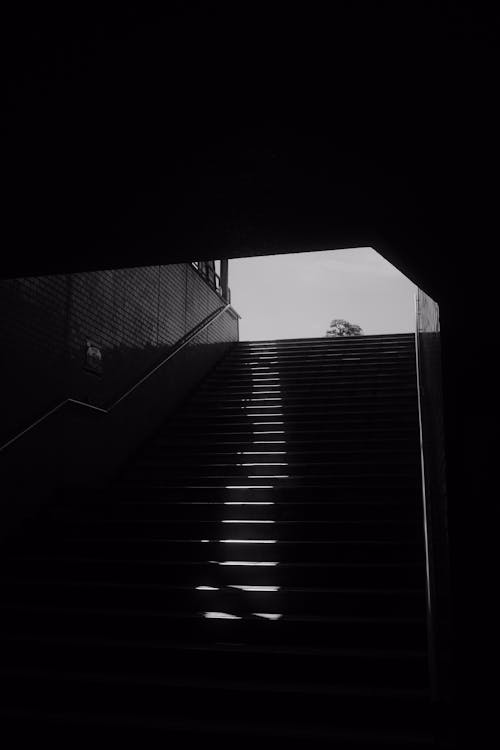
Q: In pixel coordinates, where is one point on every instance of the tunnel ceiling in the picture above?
(230, 130)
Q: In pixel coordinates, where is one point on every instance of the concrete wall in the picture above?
(433, 439)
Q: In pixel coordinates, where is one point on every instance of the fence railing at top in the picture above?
(207, 271)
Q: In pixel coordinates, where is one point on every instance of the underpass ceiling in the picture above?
(202, 132)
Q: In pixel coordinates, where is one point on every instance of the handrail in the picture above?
(47, 414)
(429, 562)
(176, 349)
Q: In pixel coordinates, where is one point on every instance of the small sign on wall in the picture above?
(93, 358)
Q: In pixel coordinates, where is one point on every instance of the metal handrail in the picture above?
(48, 414)
(429, 563)
(177, 348)
(98, 410)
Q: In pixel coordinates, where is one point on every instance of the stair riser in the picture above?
(213, 512)
(159, 701)
(277, 494)
(159, 471)
(348, 668)
(318, 372)
(383, 384)
(390, 338)
(371, 403)
(312, 576)
(333, 406)
(350, 350)
(323, 384)
(210, 457)
(354, 551)
(256, 358)
(391, 634)
(293, 425)
(339, 363)
(315, 353)
(34, 726)
(206, 436)
(319, 531)
(227, 483)
(402, 440)
(331, 344)
(328, 419)
(356, 604)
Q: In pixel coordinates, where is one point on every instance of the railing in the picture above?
(183, 342)
(207, 271)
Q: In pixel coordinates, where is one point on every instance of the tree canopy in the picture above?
(340, 327)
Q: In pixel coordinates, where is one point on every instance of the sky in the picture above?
(297, 295)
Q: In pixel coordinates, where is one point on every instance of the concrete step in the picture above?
(213, 626)
(92, 566)
(235, 598)
(208, 697)
(164, 510)
(30, 726)
(299, 528)
(297, 550)
(256, 663)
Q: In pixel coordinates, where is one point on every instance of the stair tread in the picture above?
(262, 728)
(239, 685)
(153, 561)
(216, 522)
(336, 542)
(122, 612)
(157, 644)
(165, 587)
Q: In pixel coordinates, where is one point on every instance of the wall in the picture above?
(433, 438)
(134, 315)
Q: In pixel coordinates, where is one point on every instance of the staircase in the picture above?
(256, 572)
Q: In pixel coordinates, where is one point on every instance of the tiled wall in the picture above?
(133, 315)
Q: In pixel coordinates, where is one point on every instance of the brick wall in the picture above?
(133, 315)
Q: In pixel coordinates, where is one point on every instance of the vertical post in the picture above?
(224, 278)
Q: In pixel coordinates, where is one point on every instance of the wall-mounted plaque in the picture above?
(93, 358)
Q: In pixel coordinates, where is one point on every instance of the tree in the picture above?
(339, 327)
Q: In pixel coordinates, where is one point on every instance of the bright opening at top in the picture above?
(298, 295)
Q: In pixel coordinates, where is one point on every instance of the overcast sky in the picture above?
(297, 295)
